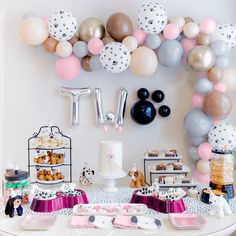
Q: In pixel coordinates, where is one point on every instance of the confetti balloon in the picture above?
(33, 31)
(152, 17)
(62, 25)
(225, 32)
(115, 57)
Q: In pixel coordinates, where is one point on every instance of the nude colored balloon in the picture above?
(130, 42)
(229, 78)
(33, 31)
(191, 30)
(203, 166)
(85, 63)
(73, 40)
(217, 105)
(143, 61)
(50, 44)
(91, 28)
(204, 39)
(178, 21)
(119, 26)
(215, 74)
(64, 49)
(107, 39)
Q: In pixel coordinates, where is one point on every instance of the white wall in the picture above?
(31, 95)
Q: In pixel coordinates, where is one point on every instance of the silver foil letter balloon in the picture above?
(74, 95)
(110, 118)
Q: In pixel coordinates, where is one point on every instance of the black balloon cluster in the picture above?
(144, 112)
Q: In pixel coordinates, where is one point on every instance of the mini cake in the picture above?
(186, 180)
(178, 179)
(178, 166)
(152, 153)
(169, 166)
(169, 180)
(162, 179)
(161, 166)
(171, 153)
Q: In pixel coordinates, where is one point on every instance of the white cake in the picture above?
(110, 158)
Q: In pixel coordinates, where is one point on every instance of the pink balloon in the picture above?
(171, 31)
(45, 19)
(204, 151)
(68, 68)
(202, 74)
(220, 86)
(207, 26)
(95, 46)
(188, 44)
(215, 121)
(202, 178)
(140, 36)
(197, 101)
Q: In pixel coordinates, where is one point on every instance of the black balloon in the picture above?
(143, 112)
(143, 93)
(164, 111)
(158, 96)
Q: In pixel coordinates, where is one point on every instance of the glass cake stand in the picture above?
(110, 181)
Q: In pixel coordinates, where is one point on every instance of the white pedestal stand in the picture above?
(110, 181)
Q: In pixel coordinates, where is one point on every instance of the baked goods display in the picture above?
(48, 175)
(169, 166)
(50, 158)
(49, 141)
(173, 179)
(161, 153)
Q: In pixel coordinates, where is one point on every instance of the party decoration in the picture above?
(217, 105)
(171, 31)
(188, 45)
(64, 49)
(73, 40)
(14, 203)
(203, 86)
(137, 178)
(119, 26)
(215, 74)
(222, 62)
(50, 44)
(196, 141)
(227, 33)
(201, 58)
(68, 68)
(191, 30)
(152, 17)
(197, 123)
(107, 39)
(153, 41)
(170, 53)
(95, 63)
(158, 96)
(91, 28)
(33, 31)
(140, 36)
(204, 151)
(220, 86)
(219, 47)
(222, 137)
(228, 78)
(207, 26)
(143, 93)
(74, 94)
(201, 178)
(117, 63)
(110, 118)
(86, 177)
(164, 111)
(203, 39)
(203, 166)
(197, 101)
(178, 21)
(85, 64)
(143, 62)
(62, 25)
(95, 46)
(80, 49)
(130, 42)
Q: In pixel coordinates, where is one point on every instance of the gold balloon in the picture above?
(143, 61)
(119, 26)
(74, 39)
(50, 44)
(215, 74)
(91, 28)
(85, 63)
(217, 105)
(107, 39)
(201, 58)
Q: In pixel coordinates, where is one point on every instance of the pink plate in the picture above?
(187, 221)
(37, 222)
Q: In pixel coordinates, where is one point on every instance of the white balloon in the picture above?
(62, 25)
(229, 78)
(152, 17)
(178, 21)
(203, 166)
(225, 32)
(115, 57)
(191, 30)
(64, 49)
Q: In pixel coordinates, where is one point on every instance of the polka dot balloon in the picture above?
(152, 18)
(227, 33)
(62, 25)
(222, 137)
(115, 57)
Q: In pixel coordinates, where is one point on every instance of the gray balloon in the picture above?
(170, 53)
(196, 141)
(95, 63)
(197, 123)
(222, 62)
(192, 154)
(203, 86)
(80, 49)
(219, 47)
(153, 41)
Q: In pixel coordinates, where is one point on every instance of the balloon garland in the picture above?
(159, 39)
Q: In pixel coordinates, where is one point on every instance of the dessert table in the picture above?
(215, 226)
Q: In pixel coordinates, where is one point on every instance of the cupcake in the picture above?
(178, 166)
(161, 166)
(171, 153)
(152, 153)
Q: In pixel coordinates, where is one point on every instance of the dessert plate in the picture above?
(37, 222)
(110, 209)
(48, 165)
(187, 221)
(50, 182)
(184, 170)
